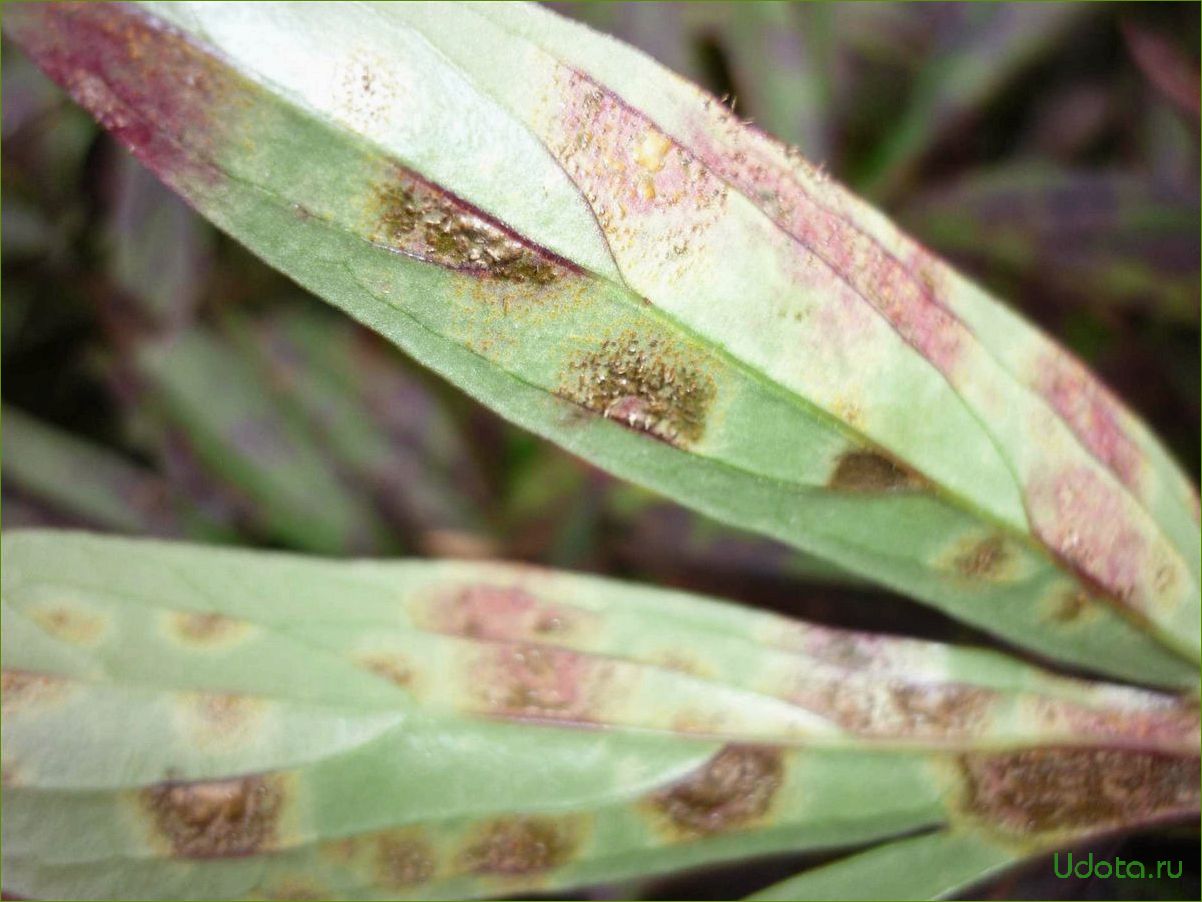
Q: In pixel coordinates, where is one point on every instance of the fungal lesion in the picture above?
(22, 690)
(420, 219)
(648, 384)
(517, 846)
(989, 558)
(218, 818)
(1057, 790)
(734, 788)
(404, 859)
(869, 471)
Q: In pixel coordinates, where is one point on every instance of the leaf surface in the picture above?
(932, 866)
(451, 729)
(602, 254)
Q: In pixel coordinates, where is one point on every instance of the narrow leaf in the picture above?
(606, 256)
(932, 866)
(213, 723)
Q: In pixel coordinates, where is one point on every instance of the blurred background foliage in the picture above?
(158, 379)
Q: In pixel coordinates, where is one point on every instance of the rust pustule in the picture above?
(900, 710)
(418, 218)
(24, 689)
(70, 623)
(391, 667)
(984, 560)
(649, 384)
(206, 629)
(217, 819)
(871, 471)
(1039, 791)
(733, 788)
(521, 845)
(538, 682)
(404, 858)
(148, 83)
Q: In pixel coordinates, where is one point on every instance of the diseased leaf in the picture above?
(932, 866)
(174, 713)
(606, 256)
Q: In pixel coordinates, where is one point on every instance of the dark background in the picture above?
(1050, 150)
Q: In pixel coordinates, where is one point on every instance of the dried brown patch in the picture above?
(207, 630)
(984, 560)
(1048, 790)
(23, 689)
(391, 667)
(403, 859)
(1071, 606)
(417, 218)
(217, 819)
(70, 623)
(215, 719)
(296, 889)
(899, 710)
(522, 845)
(648, 384)
(871, 471)
(535, 681)
(733, 788)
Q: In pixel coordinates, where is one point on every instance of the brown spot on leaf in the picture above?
(500, 613)
(732, 789)
(898, 710)
(521, 845)
(206, 629)
(417, 218)
(70, 622)
(217, 819)
(534, 681)
(404, 858)
(391, 667)
(984, 560)
(1039, 791)
(648, 384)
(1070, 605)
(871, 471)
(214, 719)
(23, 689)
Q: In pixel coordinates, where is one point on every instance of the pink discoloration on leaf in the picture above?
(1091, 412)
(896, 709)
(539, 683)
(1082, 518)
(1174, 725)
(776, 180)
(501, 613)
(636, 179)
(147, 83)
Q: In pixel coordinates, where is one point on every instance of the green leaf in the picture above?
(932, 866)
(607, 257)
(215, 723)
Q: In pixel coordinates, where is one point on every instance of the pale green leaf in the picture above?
(932, 866)
(193, 722)
(604, 255)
